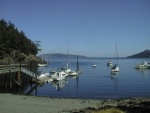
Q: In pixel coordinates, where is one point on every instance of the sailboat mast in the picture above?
(67, 52)
(68, 59)
(77, 64)
(117, 53)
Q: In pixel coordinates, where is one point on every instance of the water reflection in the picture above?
(101, 82)
(113, 75)
(59, 84)
(74, 76)
(143, 71)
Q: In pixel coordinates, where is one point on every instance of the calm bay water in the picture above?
(97, 83)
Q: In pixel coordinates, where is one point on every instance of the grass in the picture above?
(109, 110)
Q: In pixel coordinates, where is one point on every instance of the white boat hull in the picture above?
(73, 73)
(109, 63)
(58, 76)
(115, 69)
(42, 65)
(42, 75)
(144, 65)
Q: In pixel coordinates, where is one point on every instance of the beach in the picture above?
(10, 103)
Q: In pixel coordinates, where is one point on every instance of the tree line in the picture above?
(11, 39)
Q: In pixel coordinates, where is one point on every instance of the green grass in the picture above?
(109, 110)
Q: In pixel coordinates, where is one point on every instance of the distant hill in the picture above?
(59, 55)
(144, 54)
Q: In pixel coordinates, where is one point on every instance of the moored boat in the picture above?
(109, 63)
(144, 65)
(73, 73)
(64, 69)
(58, 76)
(115, 69)
(42, 74)
(42, 65)
(94, 65)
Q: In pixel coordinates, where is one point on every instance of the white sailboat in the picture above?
(69, 71)
(115, 68)
(43, 64)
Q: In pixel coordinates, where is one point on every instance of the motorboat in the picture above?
(58, 76)
(109, 63)
(64, 69)
(143, 65)
(53, 73)
(73, 73)
(115, 69)
(42, 74)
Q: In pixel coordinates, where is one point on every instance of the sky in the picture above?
(89, 27)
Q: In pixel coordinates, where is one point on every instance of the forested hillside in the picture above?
(143, 54)
(15, 46)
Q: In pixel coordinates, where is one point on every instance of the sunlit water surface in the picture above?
(98, 82)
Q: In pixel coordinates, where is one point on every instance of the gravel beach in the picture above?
(29, 104)
(10, 103)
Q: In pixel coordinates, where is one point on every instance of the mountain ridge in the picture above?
(143, 54)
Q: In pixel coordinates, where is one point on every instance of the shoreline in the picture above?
(24, 104)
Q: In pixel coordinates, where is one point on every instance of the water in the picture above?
(97, 83)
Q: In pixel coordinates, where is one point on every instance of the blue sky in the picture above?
(90, 27)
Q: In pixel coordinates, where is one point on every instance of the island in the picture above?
(143, 54)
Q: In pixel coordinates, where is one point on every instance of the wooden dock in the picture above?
(14, 75)
(5, 70)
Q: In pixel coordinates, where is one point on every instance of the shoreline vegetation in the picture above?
(15, 46)
(11, 103)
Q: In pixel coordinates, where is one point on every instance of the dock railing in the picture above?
(5, 70)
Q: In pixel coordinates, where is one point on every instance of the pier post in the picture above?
(36, 85)
(31, 81)
(19, 75)
(5, 79)
(19, 78)
(10, 78)
(16, 76)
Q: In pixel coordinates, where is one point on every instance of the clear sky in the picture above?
(90, 27)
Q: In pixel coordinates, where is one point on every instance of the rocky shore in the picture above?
(129, 105)
(29, 104)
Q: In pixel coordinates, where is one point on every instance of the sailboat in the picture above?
(115, 68)
(43, 64)
(68, 68)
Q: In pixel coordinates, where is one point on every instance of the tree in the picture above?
(11, 39)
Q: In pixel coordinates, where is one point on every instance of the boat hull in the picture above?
(42, 65)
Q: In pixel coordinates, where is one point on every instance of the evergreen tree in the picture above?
(11, 40)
